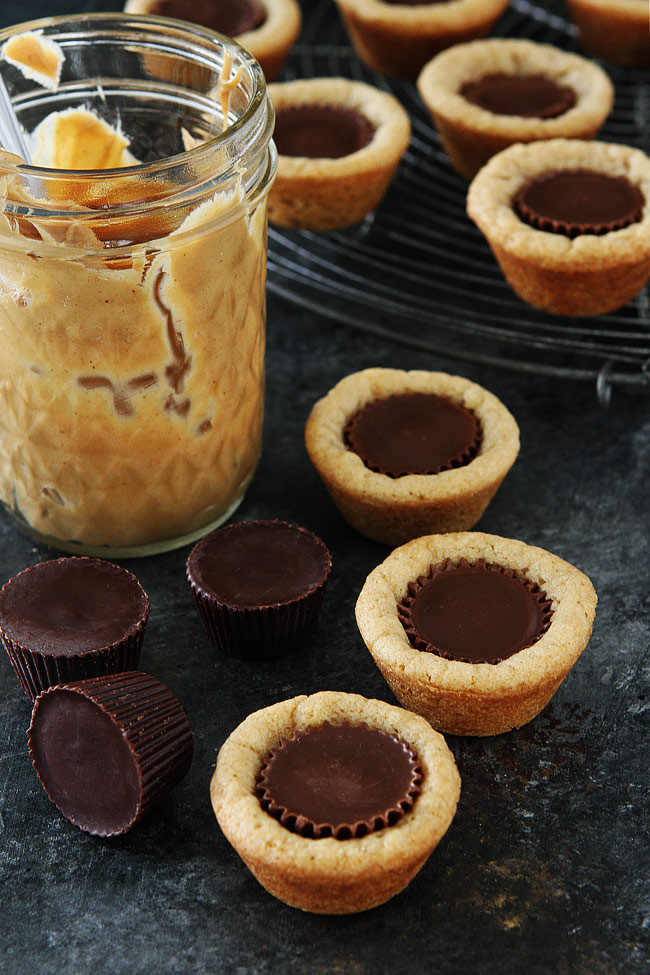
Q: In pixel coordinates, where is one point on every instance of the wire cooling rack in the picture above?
(419, 272)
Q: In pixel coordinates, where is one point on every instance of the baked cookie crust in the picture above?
(398, 39)
(322, 194)
(475, 698)
(615, 30)
(471, 134)
(270, 43)
(587, 275)
(330, 876)
(396, 509)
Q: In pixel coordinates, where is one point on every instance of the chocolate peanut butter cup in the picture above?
(108, 749)
(527, 95)
(230, 17)
(344, 781)
(489, 94)
(573, 202)
(72, 618)
(413, 433)
(258, 586)
(503, 623)
(480, 613)
(333, 801)
(321, 131)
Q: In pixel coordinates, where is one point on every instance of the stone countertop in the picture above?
(543, 869)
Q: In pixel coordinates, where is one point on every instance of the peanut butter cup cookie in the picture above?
(334, 802)
(568, 222)
(266, 28)
(397, 37)
(473, 631)
(487, 95)
(615, 30)
(405, 454)
(339, 143)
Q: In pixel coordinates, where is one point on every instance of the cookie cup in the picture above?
(330, 876)
(270, 43)
(587, 275)
(323, 194)
(615, 30)
(396, 509)
(398, 39)
(471, 135)
(475, 698)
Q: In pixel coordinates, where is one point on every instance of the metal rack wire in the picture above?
(419, 272)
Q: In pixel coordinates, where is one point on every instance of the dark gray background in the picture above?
(545, 867)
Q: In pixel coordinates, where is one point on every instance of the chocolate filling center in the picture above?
(339, 780)
(527, 95)
(413, 433)
(579, 201)
(321, 131)
(229, 17)
(85, 763)
(71, 606)
(259, 563)
(474, 613)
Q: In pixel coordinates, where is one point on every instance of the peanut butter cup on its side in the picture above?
(339, 143)
(258, 586)
(568, 222)
(333, 801)
(72, 618)
(342, 780)
(268, 29)
(486, 95)
(108, 749)
(475, 632)
(404, 454)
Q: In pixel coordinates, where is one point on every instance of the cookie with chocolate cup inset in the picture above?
(569, 250)
(486, 95)
(404, 454)
(473, 631)
(398, 37)
(339, 143)
(108, 749)
(72, 618)
(258, 586)
(615, 30)
(334, 802)
(268, 29)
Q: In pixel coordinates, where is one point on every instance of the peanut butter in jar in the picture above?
(132, 299)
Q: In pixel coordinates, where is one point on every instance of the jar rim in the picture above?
(170, 27)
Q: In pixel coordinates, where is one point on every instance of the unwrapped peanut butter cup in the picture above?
(413, 433)
(573, 202)
(321, 131)
(343, 781)
(72, 618)
(258, 586)
(480, 613)
(527, 95)
(107, 749)
(230, 17)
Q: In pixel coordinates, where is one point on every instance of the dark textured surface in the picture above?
(545, 867)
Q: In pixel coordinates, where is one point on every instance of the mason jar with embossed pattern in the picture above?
(132, 298)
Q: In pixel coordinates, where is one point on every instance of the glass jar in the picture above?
(132, 302)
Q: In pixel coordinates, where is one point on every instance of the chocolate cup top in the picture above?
(526, 95)
(108, 748)
(479, 613)
(72, 606)
(321, 131)
(252, 564)
(343, 781)
(573, 202)
(229, 17)
(413, 433)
